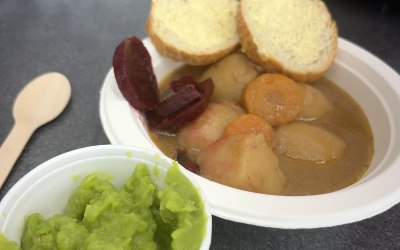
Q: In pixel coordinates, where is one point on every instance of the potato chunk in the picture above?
(307, 142)
(209, 126)
(230, 75)
(243, 161)
(315, 103)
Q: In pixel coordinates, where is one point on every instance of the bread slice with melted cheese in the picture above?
(198, 32)
(295, 37)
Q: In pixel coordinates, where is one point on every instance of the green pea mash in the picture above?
(137, 216)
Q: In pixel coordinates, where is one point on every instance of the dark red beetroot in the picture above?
(186, 162)
(173, 122)
(179, 99)
(136, 80)
(134, 74)
(176, 85)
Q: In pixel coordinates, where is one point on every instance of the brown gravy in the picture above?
(346, 120)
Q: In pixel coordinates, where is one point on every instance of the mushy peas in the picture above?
(137, 216)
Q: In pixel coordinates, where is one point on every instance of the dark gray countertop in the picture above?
(78, 38)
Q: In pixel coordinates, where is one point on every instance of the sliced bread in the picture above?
(198, 32)
(297, 38)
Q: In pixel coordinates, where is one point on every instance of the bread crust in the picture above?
(272, 65)
(171, 51)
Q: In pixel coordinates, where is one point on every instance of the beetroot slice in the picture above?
(186, 162)
(173, 122)
(137, 83)
(207, 88)
(176, 85)
(134, 74)
(177, 100)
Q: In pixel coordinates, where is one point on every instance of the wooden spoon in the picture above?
(39, 102)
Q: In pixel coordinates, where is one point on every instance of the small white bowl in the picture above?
(375, 87)
(46, 188)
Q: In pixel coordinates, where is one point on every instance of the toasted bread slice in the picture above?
(297, 38)
(198, 32)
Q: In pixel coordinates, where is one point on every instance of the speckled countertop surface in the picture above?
(78, 38)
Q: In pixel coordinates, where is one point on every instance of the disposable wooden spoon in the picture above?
(39, 102)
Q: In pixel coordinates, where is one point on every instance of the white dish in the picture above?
(47, 188)
(372, 83)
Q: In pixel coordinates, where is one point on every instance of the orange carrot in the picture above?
(273, 97)
(251, 124)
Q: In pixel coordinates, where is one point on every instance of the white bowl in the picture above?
(375, 87)
(46, 188)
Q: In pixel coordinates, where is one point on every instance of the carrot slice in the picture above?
(273, 97)
(252, 124)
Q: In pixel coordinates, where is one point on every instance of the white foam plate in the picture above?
(372, 83)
